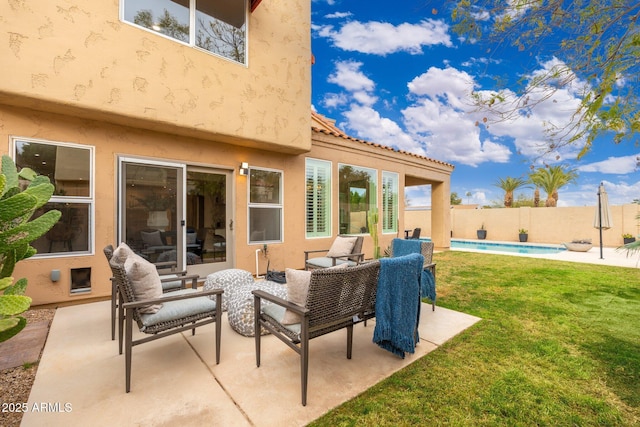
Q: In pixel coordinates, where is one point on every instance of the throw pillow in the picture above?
(152, 238)
(342, 246)
(297, 290)
(121, 253)
(145, 281)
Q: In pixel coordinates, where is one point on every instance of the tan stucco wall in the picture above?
(544, 225)
(78, 57)
(110, 141)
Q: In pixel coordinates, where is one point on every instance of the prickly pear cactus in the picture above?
(17, 231)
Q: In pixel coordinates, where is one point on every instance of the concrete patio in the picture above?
(175, 381)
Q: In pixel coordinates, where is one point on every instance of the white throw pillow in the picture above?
(297, 290)
(145, 281)
(342, 246)
(121, 253)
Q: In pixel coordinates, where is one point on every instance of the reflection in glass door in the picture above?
(151, 211)
(209, 224)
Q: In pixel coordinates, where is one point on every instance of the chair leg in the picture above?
(113, 308)
(256, 327)
(128, 345)
(304, 359)
(349, 341)
(121, 319)
(218, 326)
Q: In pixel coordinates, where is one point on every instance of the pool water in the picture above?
(505, 247)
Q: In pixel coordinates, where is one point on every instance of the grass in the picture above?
(559, 345)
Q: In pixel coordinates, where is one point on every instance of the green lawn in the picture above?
(559, 345)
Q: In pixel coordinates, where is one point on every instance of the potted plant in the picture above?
(628, 238)
(523, 235)
(482, 232)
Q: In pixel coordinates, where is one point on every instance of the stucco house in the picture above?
(185, 130)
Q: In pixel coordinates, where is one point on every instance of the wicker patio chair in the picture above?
(335, 257)
(179, 311)
(336, 299)
(170, 282)
(402, 247)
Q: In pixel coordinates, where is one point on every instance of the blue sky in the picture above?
(395, 73)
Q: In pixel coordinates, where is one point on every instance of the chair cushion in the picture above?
(324, 262)
(276, 312)
(145, 281)
(342, 246)
(229, 281)
(297, 290)
(173, 310)
(242, 309)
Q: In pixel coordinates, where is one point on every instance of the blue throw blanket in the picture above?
(427, 283)
(398, 304)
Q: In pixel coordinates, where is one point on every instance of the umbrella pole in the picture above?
(600, 220)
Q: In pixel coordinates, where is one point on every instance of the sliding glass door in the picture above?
(176, 215)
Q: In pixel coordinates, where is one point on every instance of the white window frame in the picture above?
(192, 26)
(315, 166)
(279, 206)
(390, 219)
(74, 200)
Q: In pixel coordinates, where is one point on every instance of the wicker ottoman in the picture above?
(241, 305)
(230, 281)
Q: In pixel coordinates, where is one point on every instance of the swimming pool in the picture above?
(476, 245)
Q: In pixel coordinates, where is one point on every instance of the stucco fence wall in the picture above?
(544, 225)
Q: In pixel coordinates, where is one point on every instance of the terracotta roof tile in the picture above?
(328, 127)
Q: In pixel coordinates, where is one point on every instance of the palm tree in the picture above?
(551, 179)
(509, 185)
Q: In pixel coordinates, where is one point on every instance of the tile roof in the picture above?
(322, 124)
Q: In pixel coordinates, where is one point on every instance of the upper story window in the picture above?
(219, 26)
(70, 169)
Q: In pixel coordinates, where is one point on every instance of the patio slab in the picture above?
(175, 380)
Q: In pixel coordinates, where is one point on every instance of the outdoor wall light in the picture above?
(55, 275)
(244, 169)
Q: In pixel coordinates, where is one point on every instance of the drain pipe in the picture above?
(258, 276)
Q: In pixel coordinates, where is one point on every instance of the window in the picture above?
(265, 206)
(218, 26)
(389, 202)
(70, 169)
(357, 197)
(318, 198)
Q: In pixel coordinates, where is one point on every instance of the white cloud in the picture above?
(334, 100)
(370, 126)
(381, 38)
(613, 165)
(442, 117)
(349, 76)
(338, 15)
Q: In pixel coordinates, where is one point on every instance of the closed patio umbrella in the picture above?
(602, 219)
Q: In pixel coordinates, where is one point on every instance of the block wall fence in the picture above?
(544, 225)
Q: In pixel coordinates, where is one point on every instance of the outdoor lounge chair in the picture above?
(344, 250)
(401, 247)
(170, 282)
(415, 234)
(158, 314)
(336, 298)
